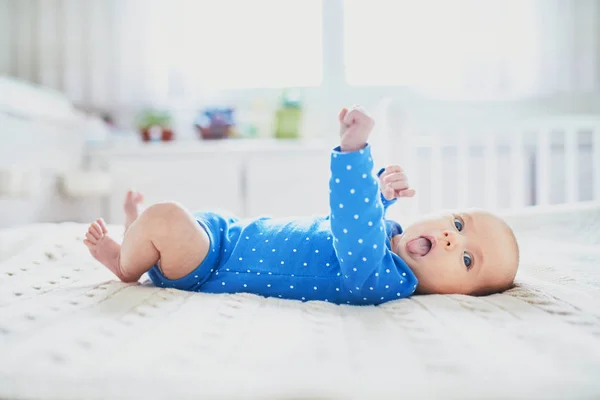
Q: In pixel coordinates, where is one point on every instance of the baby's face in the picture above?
(460, 253)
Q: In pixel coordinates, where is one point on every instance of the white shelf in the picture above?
(134, 149)
(248, 177)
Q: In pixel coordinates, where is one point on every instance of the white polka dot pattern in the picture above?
(344, 260)
(363, 213)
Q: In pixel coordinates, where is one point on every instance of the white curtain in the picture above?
(135, 52)
(127, 53)
(569, 57)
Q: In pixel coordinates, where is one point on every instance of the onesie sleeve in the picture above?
(368, 266)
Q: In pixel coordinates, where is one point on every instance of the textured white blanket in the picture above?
(68, 330)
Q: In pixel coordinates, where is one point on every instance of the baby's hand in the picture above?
(355, 127)
(394, 183)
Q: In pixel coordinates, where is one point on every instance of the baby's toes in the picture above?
(102, 225)
(95, 230)
(137, 198)
(91, 238)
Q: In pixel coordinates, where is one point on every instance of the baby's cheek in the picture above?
(439, 267)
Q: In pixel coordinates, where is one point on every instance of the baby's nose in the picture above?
(449, 239)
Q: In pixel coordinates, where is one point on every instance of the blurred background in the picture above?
(233, 103)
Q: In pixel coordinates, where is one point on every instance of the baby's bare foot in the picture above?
(104, 249)
(131, 206)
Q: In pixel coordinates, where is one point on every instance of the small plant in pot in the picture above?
(155, 125)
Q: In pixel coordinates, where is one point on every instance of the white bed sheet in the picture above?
(68, 330)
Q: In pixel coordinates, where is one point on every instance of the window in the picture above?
(459, 47)
(245, 44)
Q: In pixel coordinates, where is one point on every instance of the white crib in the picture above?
(494, 156)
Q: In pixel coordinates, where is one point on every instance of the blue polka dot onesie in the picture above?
(344, 258)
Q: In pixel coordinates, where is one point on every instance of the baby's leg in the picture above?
(165, 232)
(131, 206)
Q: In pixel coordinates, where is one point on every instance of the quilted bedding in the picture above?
(68, 330)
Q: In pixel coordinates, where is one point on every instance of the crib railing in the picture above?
(572, 152)
(501, 165)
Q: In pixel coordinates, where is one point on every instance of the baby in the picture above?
(352, 256)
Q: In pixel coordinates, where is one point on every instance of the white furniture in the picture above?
(496, 155)
(41, 136)
(245, 177)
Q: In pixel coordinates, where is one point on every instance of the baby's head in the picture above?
(472, 252)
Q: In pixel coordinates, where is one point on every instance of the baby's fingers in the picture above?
(406, 193)
(395, 177)
(399, 185)
(390, 169)
(388, 193)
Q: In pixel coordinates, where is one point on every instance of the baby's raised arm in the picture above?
(357, 212)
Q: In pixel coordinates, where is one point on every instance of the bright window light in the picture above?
(246, 44)
(466, 46)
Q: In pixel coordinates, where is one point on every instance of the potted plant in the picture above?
(155, 125)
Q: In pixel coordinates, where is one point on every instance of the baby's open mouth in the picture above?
(420, 246)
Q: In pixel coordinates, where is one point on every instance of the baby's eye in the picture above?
(458, 224)
(467, 260)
